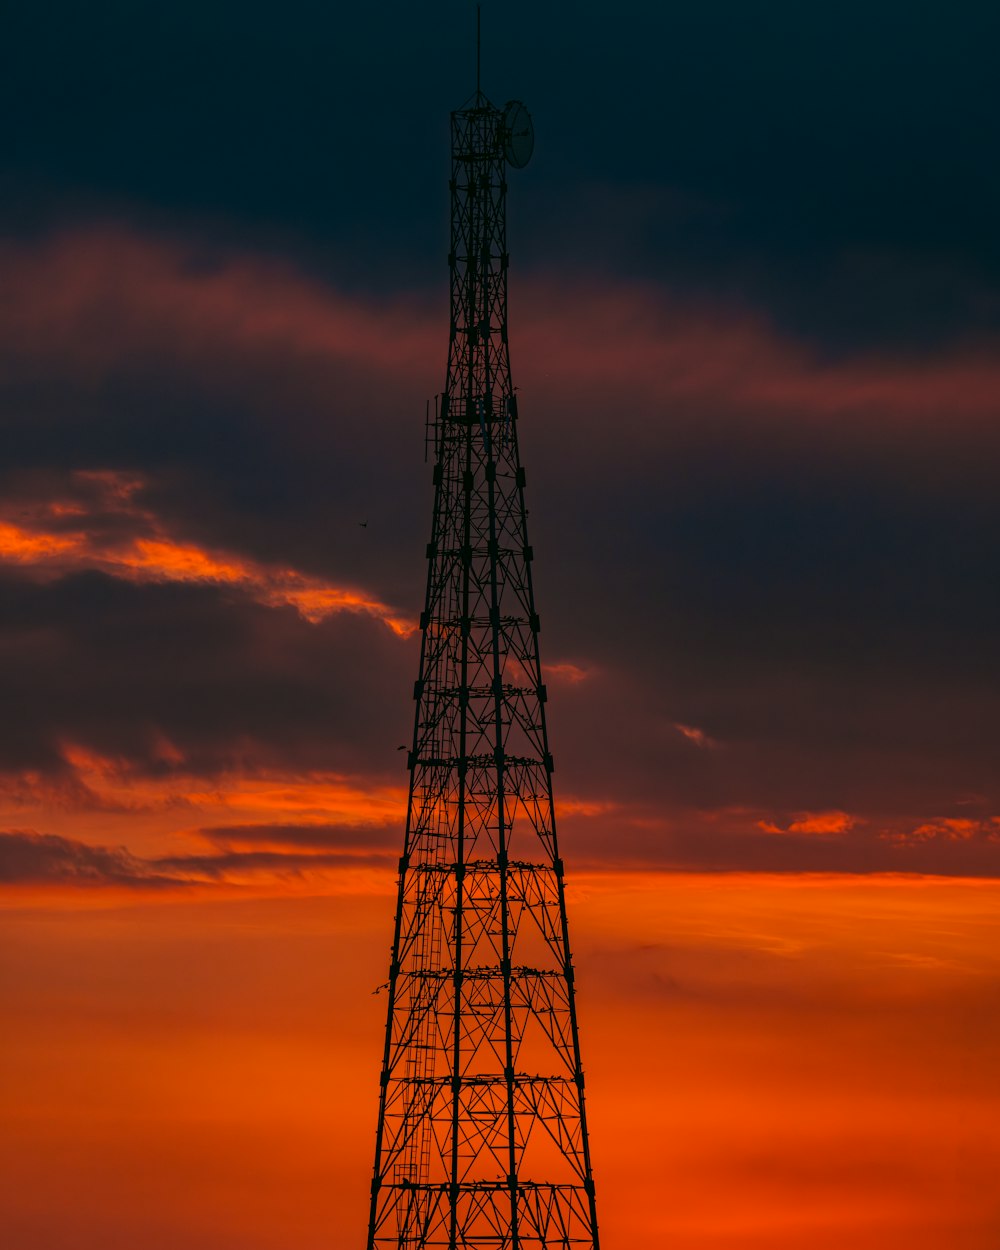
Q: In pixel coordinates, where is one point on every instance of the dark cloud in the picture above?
(306, 837)
(742, 840)
(28, 858)
(783, 553)
(115, 668)
(277, 863)
(828, 164)
(958, 847)
(256, 405)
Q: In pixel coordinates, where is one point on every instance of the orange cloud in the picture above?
(565, 671)
(56, 537)
(676, 351)
(697, 736)
(21, 546)
(179, 563)
(154, 300)
(252, 310)
(813, 822)
(100, 801)
(945, 829)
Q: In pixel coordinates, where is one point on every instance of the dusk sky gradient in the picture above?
(755, 321)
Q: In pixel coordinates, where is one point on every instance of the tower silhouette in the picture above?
(482, 1137)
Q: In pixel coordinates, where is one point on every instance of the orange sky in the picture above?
(208, 645)
(190, 1037)
(772, 1062)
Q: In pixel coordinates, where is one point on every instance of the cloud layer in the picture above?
(761, 572)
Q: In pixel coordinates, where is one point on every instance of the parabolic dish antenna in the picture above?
(518, 134)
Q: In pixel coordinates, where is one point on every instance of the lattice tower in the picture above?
(482, 1137)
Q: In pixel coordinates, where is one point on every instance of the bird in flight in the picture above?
(363, 524)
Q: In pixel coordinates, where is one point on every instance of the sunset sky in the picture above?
(755, 326)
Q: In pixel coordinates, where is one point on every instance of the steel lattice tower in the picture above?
(482, 1138)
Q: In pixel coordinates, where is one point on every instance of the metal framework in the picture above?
(482, 1137)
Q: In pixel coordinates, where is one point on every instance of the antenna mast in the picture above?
(482, 1138)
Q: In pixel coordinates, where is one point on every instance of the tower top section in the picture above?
(512, 134)
(509, 134)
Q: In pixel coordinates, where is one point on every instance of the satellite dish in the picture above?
(518, 134)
